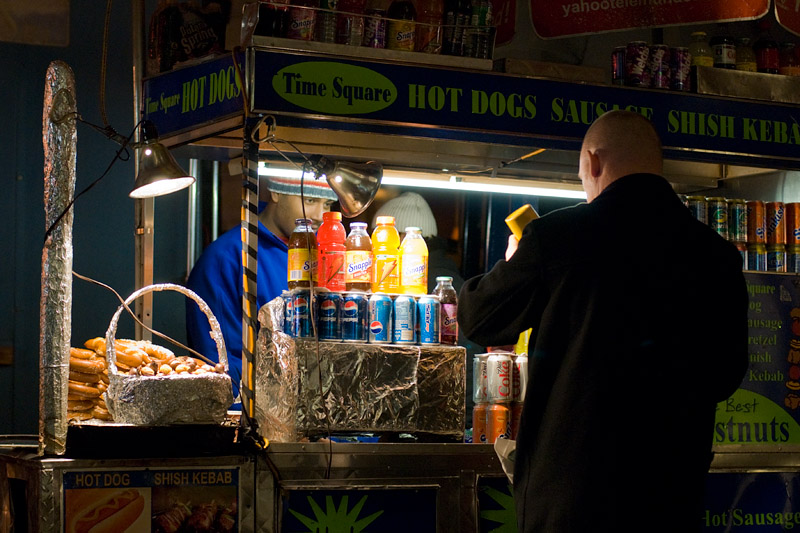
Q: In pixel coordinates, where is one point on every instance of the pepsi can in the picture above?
(301, 313)
(429, 310)
(354, 317)
(405, 313)
(380, 318)
(287, 312)
(329, 325)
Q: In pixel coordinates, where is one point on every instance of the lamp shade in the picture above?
(355, 184)
(159, 173)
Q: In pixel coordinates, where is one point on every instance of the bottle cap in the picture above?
(385, 219)
(331, 215)
(444, 278)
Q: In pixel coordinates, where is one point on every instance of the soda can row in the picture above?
(657, 66)
(492, 421)
(499, 377)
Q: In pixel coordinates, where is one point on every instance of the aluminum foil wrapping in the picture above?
(59, 138)
(367, 387)
(173, 399)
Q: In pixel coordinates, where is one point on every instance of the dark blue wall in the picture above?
(103, 218)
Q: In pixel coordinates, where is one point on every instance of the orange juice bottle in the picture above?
(386, 256)
(413, 263)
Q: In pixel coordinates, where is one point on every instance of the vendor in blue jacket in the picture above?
(217, 275)
(639, 317)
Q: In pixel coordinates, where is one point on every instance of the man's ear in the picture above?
(274, 197)
(595, 165)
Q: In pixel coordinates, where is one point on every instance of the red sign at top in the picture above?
(788, 14)
(560, 18)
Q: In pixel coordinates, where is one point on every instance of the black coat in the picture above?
(639, 317)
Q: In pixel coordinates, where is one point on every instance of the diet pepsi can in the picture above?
(301, 313)
(354, 317)
(380, 318)
(287, 312)
(405, 313)
(329, 325)
(429, 311)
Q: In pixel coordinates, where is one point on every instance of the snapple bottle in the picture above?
(330, 241)
(386, 256)
(449, 298)
(302, 271)
(358, 258)
(413, 263)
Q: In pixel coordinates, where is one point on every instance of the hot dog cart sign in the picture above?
(765, 410)
(148, 500)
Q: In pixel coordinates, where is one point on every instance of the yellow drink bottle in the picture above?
(413, 263)
(386, 256)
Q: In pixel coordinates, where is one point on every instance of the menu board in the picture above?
(765, 410)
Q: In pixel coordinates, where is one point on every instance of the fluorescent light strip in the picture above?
(441, 182)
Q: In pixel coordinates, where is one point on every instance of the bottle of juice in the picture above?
(386, 256)
(302, 271)
(330, 243)
(358, 258)
(449, 316)
(401, 30)
(413, 263)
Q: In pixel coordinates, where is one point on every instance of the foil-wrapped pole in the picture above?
(59, 137)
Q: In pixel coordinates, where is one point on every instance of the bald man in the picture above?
(639, 317)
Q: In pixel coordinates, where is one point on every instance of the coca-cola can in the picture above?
(680, 66)
(480, 383)
(499, 369)
(637, 54)
(519, 375)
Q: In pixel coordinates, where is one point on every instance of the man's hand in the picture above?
(513, 244)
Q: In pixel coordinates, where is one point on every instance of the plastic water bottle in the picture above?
(413, 263)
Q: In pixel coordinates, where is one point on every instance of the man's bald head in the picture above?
(617, 144)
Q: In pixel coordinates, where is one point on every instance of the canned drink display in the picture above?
(776, 258)
(429, 312)
(498, 422)
(301, 313)
(737, 220)
(792, 223)
(480, 378)
(618, 66)
(516, 415)
(479, 415)
(636, 55)
(742, 247)
(287, 312)
(519, 381)
(354, 317)
(776, 223)
(329, 308)
(718, 215)
(380, 318)
(498, 371)
(375, 29)
(793, 259)
(658, 66)
(405, 314)
(756, 222)
(699, 207)
(680, 67)
(757, 257)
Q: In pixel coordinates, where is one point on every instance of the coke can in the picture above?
(699, 207)
(792, 224)
(479, 414)
(636, 55)
(519, 372)
(776, 258)
(718, 215)
(498, 371)
(429, 310)
(618, 66)
(405, 314)
(756, 222)
(498, 422)
(516, 416)
(301, 313)
(329, 325)
(480, 378)
(776, 223)
(380, 318)
(737, 220)
(793, 259)
(287, 312)
(757, 257)
(680, 66)
(658, 66)
(354, 317)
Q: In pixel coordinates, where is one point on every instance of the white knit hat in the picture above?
(409, 210)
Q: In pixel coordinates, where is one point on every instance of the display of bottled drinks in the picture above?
(767, 234)
(499, 382)
(659, 66)
(453, 27)
(360, 288)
